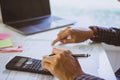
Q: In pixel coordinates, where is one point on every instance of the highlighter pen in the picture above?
(76, 55)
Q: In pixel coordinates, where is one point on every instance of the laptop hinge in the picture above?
(27, 20)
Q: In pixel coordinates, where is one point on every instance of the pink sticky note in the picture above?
(12, 49)
(4, 36)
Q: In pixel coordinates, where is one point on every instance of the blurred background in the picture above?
(89, 12)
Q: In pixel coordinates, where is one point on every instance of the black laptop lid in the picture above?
(21, 10)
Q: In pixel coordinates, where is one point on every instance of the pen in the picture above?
(76, 55)
(80, 55)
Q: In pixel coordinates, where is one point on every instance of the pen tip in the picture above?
(88, 55)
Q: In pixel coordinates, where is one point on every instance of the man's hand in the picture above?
(73, 35)
(62, 65)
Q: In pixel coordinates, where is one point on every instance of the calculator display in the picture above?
(20, 62)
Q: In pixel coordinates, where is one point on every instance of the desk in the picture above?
(38, 45)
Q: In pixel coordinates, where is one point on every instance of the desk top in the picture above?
(38, 45)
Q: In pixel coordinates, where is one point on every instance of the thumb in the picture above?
(68, 41)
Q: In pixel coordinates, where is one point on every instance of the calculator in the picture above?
(26, 64)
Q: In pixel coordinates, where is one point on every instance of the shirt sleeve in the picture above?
(87, 77)
(106, 35)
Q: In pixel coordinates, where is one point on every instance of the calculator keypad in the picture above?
(34, 65)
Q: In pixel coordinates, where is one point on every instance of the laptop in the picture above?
(30, 16)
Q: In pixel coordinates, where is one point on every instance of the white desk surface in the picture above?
(38, 45)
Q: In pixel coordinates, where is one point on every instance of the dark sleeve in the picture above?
(106, 35)
(87, 77)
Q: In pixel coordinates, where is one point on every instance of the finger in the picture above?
(48, 59)
(67, 41)
(63, 40)
(62, 35)
(62, 32)
(59, 51)
(58, 39)
(69, 52)
(55, 41)
(55, 53)
(46, 66)
(66, 33)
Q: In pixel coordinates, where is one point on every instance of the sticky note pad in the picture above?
(4, 36)
(5, 43)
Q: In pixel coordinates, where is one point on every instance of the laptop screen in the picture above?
(18, 10)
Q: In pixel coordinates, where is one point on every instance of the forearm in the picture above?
(87, 77)
(107, 35)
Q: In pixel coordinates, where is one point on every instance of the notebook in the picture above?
(30, 16)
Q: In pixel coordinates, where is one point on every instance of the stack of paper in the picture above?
(5, 40)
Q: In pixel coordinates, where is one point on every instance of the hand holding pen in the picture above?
(60, 63)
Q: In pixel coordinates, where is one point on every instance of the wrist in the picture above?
(76, 78)
(94, 30)
(72, 77)
(68, 77)
(91, 34)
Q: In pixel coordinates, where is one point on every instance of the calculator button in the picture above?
(31, 66)
(29, 62)
(36, 63)
(24, 66)
(40, 69)
(27, 67)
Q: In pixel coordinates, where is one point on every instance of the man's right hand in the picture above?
(62, 65)
(73, 35)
